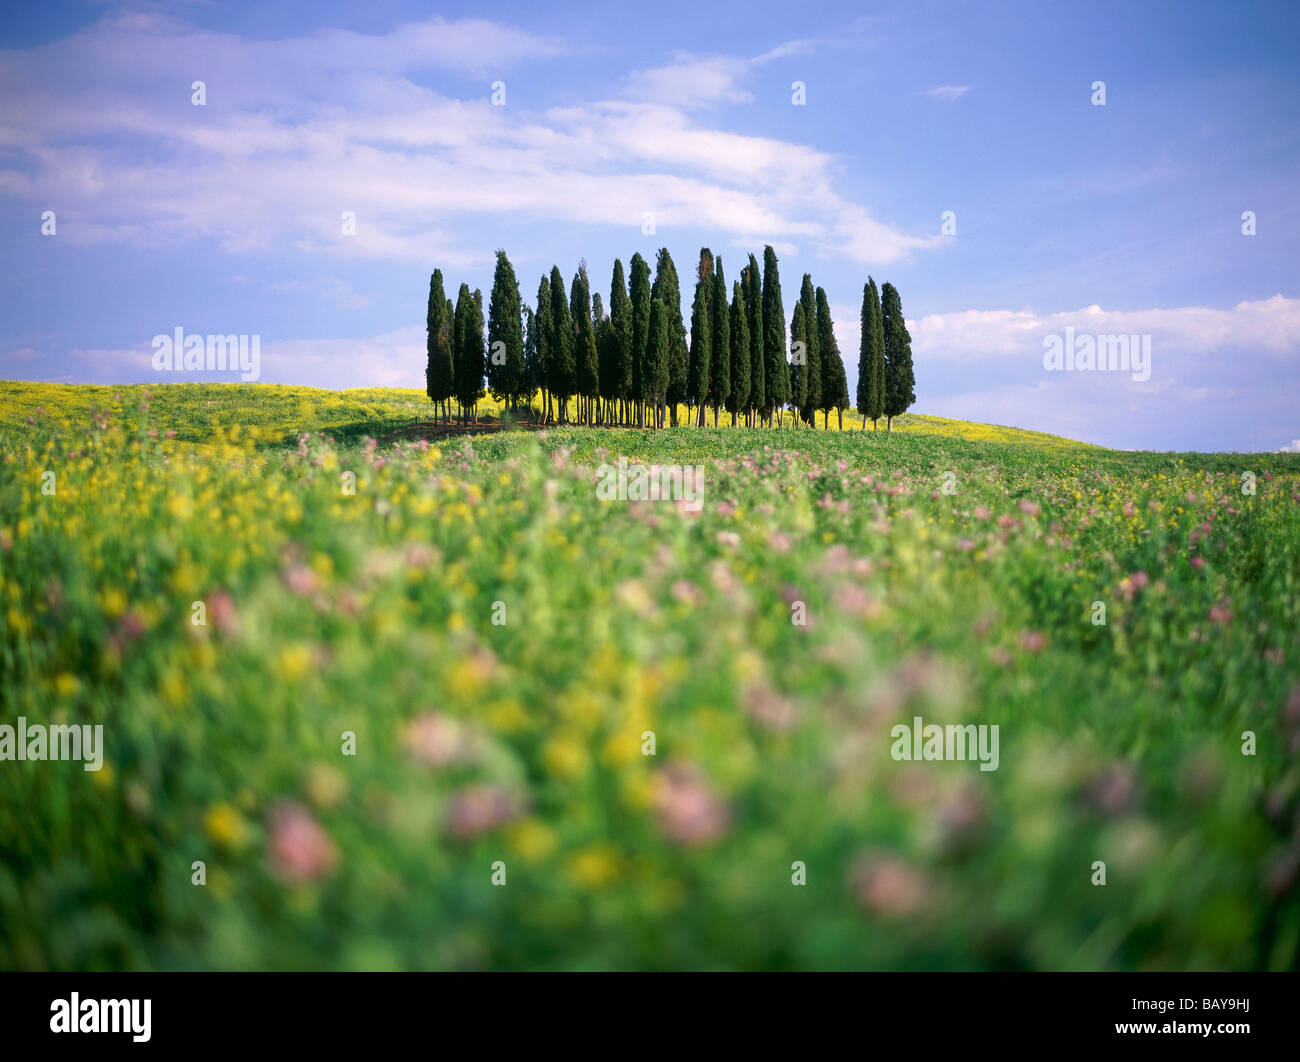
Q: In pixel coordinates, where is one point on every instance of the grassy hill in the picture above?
(422, 666)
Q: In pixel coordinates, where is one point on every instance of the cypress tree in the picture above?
(667, 289)
(562, 370)
(532, 358)
(900, 380)
(620, 316)
(798, 373)
(871, 357)
(469, 348)
(698, 367)
(438, 372)
(658, 346)
(640, 302)
(812, 359)
(738, 400)
(831, 365)
(505, 364)
(543, 324)
(720, 344)
(584, 344)
(757, 361)
(776, 372)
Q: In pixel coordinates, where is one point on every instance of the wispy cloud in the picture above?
(947, 93)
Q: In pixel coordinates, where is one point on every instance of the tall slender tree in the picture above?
(799, 347)
(900, 379)
(532, 359)
(667, 289)
(620, 316)
(738, 399)
(831, 365)
(812, 356)
(584, 344)
(719, 389)
(640, 300)
(657, 353)
(776, 372)
(562, 370)
(757, 356)
(697, 369)
(438, 373)
(543, 324)
(505, 361)
(469, 347)
(871, 357)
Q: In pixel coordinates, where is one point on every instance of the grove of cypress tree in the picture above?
(757, 359)
(900, 379)
(871, 357)
(640, 300)
(438, 372)
(698, 368)
(738, 400)
(667, 289)
(776, 373)
(831, 364)
(562, 370)
(620, 317)
(720, 381)
(505, 363)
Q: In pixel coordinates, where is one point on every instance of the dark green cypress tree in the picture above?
(667, 289)
(505, 362)
(799, 346)
(529, 378)
(757, 360)
(542, 322)
(562, 371)
(776, 372)
(738, 400)
(900, 380)
(720, 345)
(640, 299)
(584, 344)
(657, 352)
(698, 368)
(812, 356)
(830, 364)
(871, 357)
(438, 372)
(469, 361)
(620, 316)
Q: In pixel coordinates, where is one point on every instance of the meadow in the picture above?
(448, 709)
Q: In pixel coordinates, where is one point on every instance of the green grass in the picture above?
(477, 742)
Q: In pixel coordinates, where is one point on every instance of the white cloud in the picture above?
(947, 93)
(1293, 447)
(298, 130)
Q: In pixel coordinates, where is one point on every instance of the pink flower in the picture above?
(1033, 641)
(1220, 614)
(689, 811)
(301, 579)
(479, 808)
(221, 607)
(435, 739)
(301, 850)
(1029, 508)
(886, 885)
(1198, 562)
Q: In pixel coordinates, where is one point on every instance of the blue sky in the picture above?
(1116, 219)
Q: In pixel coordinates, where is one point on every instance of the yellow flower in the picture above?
(295, 661)
(532, 839)
(225, 826)
(565, 756)
(66, 684)
(595, 865)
